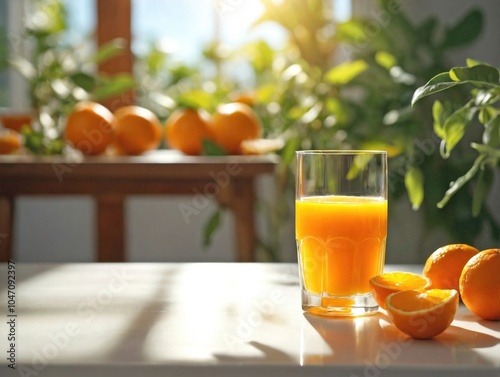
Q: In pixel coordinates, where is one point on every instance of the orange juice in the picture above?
(341, 242)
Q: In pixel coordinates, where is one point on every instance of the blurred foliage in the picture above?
(340, 86)
(453, 119)
(60, 74)
(365, 102)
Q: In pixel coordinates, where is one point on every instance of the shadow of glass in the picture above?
(344, 340)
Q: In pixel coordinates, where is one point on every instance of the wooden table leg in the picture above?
(110, 228)
(242, 204)
(6, 227)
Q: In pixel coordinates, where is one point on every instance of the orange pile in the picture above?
(424, 306)
(234, 127)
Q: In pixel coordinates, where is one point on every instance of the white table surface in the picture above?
(217, 320)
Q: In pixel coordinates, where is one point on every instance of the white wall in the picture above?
(62, 229)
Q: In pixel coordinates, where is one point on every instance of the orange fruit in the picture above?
(187, 128)
(260, 146)
(384, 284)
(248, 98)
(444, 266)
(233, 123)
(16, 122)
(422, 314)
(480, 284)
(10, 142)
(137, 130)
(89, 128)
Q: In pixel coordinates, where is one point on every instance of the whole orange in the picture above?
(89, 128)
(185, 130)
(10, 142)
(444, 266)
(16, 122)
(233, 123)
(137, 130)
(480, 284)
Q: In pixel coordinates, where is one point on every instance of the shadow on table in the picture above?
(269, 355)
(25, 274)
(341, 340)
(130, 346)
(375, 341)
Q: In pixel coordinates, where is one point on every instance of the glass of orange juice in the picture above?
(340, 228)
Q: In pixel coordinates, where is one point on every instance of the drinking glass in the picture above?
(340, 228)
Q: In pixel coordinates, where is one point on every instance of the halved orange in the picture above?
(384, 284)
(422, 314)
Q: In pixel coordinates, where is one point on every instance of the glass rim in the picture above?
(340, 152)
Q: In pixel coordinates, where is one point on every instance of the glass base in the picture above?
(336, 306)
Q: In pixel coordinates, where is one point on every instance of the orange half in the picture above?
(422, 314)
(384, 284)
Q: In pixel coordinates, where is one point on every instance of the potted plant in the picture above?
(455, 117)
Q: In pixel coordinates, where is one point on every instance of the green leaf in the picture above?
(437, 84)
(454, 128)
(484, 182)
(210, 227)
(477, 73)
(486, 114)
(352, 32)
(196, 99)
(461, 181)
(288, 152)
(346, 72)
(113, 86)
(359, 163)
(266, 92)
(85, 81)
(338, 109)
(211, 149)
(155, 61)
(260, 55)
(109, 50)
(465, 31)
(473, 62)
(491, 134)
(385, 59)
(439, 119)
(414, 183)
(486, 150)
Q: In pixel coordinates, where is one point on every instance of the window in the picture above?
(4, 80)
(183, 28)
